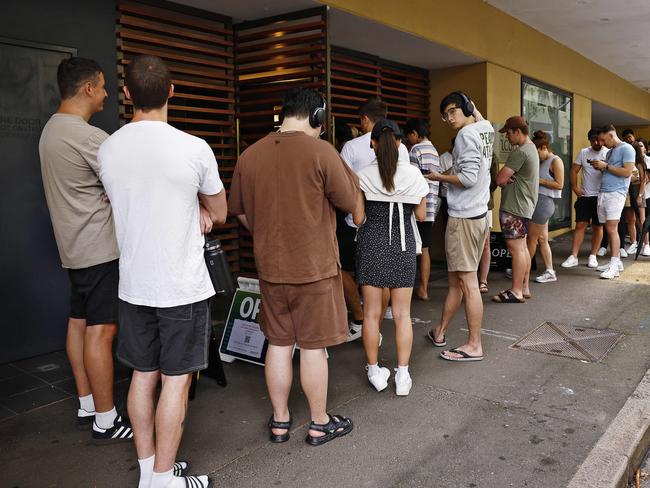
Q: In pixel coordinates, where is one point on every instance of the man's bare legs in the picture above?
(484, 265)
(468, 284)
(451, 305)
(313, 379)
(351, 292)
(579, 237)
(614, 240)
(422, 291)
(170, 419)
(158, 430)
(142, 411)
(98, 361)
(520, 265)
(278, 372)
(74, 346)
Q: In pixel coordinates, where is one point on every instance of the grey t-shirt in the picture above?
(519, 198)
(80, 211)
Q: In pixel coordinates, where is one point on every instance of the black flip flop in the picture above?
(432, 338)
(507, 297)
(274, 424)
(465, 357)
(338, 426)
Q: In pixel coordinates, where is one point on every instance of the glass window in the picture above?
(549, 109)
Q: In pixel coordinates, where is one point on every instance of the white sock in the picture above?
(105, 420)
(402, 372)
(615, 259)
(146, 471)
(373, 369)
(87, 403)
(162, 480)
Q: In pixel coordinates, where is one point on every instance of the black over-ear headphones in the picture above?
(318, 115)
(468, 106)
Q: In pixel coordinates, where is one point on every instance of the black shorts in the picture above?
(93, 293)
(346, 235)
(587, 210)
(426, 233)
(173, 340)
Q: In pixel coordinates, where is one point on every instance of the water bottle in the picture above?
(218, 268)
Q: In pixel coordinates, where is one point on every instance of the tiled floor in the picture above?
(39, 381)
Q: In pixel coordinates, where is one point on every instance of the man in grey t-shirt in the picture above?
(83, 227)
(467, 228)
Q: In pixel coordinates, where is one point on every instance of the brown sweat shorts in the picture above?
(312, 315)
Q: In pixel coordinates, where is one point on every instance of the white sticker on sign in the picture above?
(246, 338)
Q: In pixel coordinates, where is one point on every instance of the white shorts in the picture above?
(610, 206)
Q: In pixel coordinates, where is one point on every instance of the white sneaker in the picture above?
(623, 253)
(389, 313)
(509, 272)
(646, 250)
(602, 251)
(570, 262)
(610, 273)
(403, 384)
(605, 267)
(546, 277)
(380, 380)
(354, 332)
(632, 248)
(593, 261)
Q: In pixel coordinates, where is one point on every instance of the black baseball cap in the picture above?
(383, 125)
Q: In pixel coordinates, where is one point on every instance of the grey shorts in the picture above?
(543, 210)
(174, 340)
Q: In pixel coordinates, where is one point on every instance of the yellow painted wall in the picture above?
(503, 101)
(491, 35)
(639, 130)
(470, 79)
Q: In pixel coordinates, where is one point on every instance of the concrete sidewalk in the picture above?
(518, 418)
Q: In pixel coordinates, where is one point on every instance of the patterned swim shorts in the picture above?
(513, 226)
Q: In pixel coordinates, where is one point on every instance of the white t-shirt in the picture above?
(358, 154)
(152, 174)
(591, 177)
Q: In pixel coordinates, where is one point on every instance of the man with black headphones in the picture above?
(284, 190)
(468, 194)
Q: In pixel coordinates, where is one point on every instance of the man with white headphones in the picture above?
(284, 190)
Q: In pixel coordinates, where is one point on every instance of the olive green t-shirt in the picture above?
(519, 198)
(81, 213)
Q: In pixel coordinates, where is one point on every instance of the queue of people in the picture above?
(130, 212)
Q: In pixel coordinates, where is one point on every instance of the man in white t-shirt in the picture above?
(358, 154)
(586, 205)
(155, 176)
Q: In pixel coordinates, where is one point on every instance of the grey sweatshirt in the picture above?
(473, 149)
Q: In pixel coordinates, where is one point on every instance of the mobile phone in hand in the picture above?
(425, 171)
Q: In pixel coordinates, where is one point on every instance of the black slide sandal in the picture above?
(181, 468)
(274, 424)
(338, 426)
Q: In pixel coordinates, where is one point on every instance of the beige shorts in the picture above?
(312, 315)
(464, 241)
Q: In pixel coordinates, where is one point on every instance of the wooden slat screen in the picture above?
(198, 49)
(271, 56)
(356, 76)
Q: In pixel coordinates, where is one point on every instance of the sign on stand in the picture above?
(242, 338)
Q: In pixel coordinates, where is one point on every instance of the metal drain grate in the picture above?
(584, 343)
